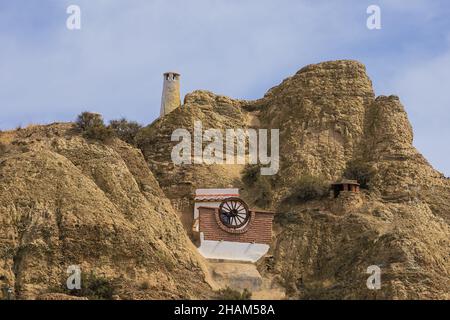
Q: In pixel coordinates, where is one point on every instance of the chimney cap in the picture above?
(172, 72)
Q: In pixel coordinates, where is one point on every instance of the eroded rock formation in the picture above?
(65, 200)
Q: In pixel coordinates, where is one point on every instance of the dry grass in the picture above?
(6, 137)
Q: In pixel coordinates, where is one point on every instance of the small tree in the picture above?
(263, 191)
(125, 130)
(261, 186)
(309, 188)
(360, 171)
(88, 120)
(231, 294)
(95, 287)
(93, 127)
(251, 174)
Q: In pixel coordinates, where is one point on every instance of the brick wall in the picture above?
(259, 231)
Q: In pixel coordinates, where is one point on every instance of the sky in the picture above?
(239, 48)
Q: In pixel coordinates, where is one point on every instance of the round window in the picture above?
(234, 213)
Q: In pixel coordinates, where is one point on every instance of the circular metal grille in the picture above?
(234, 213)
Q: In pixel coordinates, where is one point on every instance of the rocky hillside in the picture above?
(116, 210)
(323, 252)
(320, 113)
(66, 200)
(179, 182)
(400, 172)
(331, 126)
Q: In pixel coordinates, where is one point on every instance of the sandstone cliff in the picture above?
(68, 201)
(180, 181)
(65, 200)
(329, 118)
(401, 173)
(320, 113)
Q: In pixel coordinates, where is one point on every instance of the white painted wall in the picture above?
(171, 93)
(228, 250)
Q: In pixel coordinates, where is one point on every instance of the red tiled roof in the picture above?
(346, 181)
(214, 197)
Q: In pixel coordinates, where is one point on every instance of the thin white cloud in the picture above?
(423, 88)
(237, 48)
(114, 64)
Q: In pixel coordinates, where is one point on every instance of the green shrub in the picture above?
(251, 174)
(287, 218)
(93, 127)
(125, 130)
(309, 188)
(360, 171)
(3, 148)
(145, 285)
(260, 186)
(231, 294)
(95, 287)
(145, 137)
(263, 192)
(88, 120)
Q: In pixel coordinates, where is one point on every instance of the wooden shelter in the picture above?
(345, 185)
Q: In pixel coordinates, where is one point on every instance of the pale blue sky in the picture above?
(239, 48)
